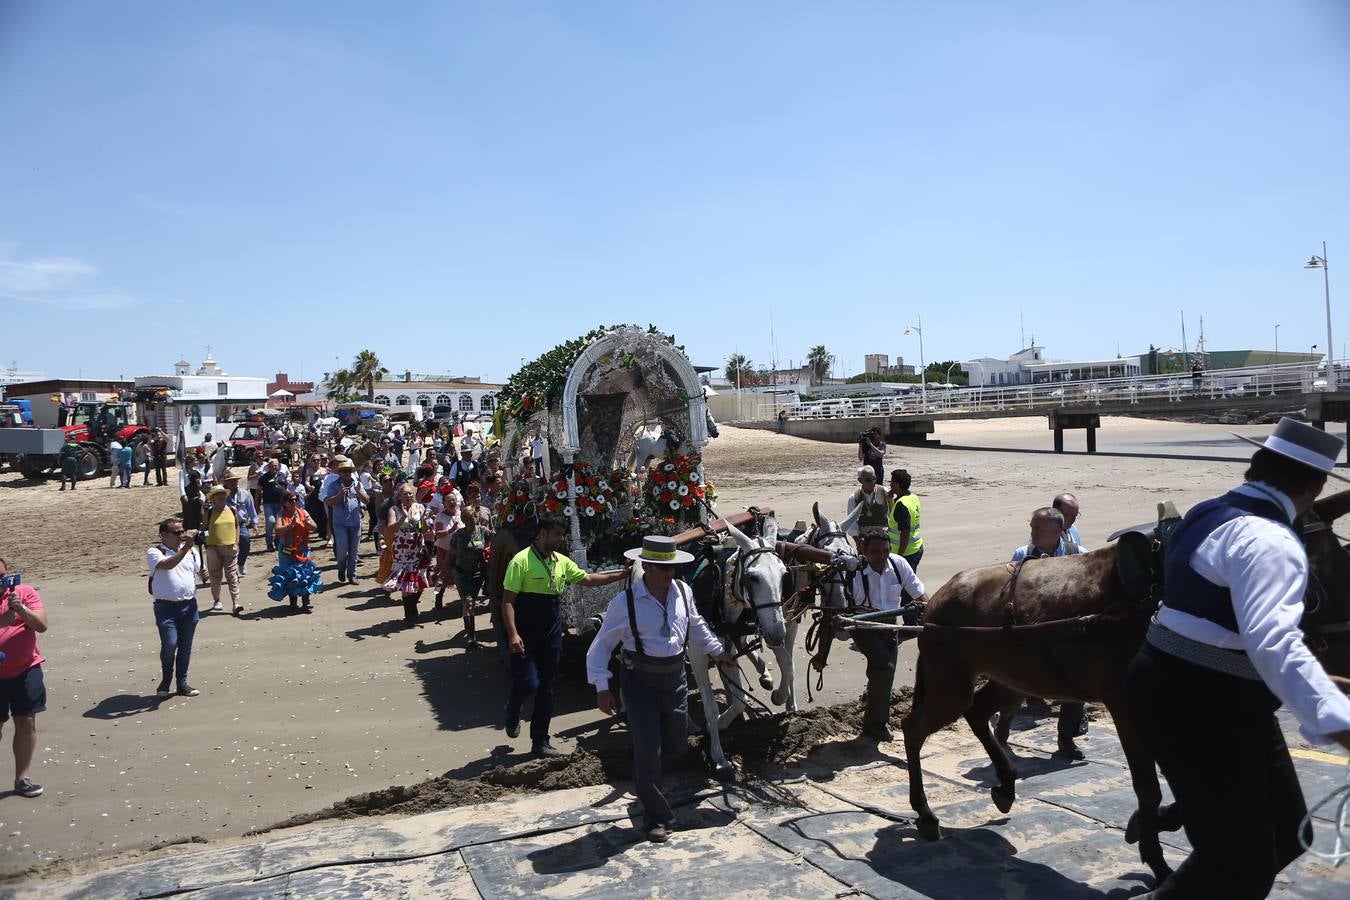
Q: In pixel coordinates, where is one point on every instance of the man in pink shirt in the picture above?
(22, 693)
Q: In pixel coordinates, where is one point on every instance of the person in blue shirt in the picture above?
(124, 466)
(345, 498)
(1048, 538)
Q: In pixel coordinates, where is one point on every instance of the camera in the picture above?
(864, 437)
(10, 582)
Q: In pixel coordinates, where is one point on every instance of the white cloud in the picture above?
(59, 281)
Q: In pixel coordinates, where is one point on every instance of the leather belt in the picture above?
(1217, 659)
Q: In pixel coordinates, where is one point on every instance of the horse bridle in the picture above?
(834, 574)
(1316, 595)
(743, 558)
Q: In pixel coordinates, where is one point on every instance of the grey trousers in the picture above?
(657, 706)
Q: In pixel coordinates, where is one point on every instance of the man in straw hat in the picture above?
(222, 547)
(653, 620)
(241, 501)
(345, 498)
(1223, 653)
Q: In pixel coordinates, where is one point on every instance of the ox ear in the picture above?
(821, 522)
(741, 540)
(770, 531)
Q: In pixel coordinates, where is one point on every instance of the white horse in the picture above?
(830, 535)
(756, 584)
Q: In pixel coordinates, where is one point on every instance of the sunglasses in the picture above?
(171, 531)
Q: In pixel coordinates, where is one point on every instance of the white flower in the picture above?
(674, 504)
(511, 517)
(589, 511)
(693, 478)
(684, 490)
(569, 510)
(668, 467)
(561, 495)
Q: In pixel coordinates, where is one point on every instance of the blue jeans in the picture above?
(533, 672)
(124, 473)
(346, 540)
(177, 624)
(270, 513)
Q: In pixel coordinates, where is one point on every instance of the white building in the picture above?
(466, 395)
(1027, 366)
(193, 406)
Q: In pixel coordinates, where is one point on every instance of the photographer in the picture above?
(174, 569)
(22, 692)
(871, 451)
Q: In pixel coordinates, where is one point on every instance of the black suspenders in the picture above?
(688, 617)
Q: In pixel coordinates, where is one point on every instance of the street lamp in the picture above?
(923, 367)
(1320, 262)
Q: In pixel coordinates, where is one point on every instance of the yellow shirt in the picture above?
(527, 573)
(223, 528)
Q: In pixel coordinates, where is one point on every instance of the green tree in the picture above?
(740, 369)
(946, 371)
(819, 359)
(341, 387)
(366, 370)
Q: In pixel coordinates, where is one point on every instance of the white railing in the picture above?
(1217, 385)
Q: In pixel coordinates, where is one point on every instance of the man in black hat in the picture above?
(1223, 653)
(653, 621)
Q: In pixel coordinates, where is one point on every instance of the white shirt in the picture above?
(1265, 567)
(537, 448)
(883, 588)
(1066, 548)
(178, 583)
(683, 616)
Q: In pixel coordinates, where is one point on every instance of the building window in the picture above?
(443, 400)
(487, 402)
(402, 400)
(382, 398)
(88, 397)
(465, 403)
(222, 388)
(424, 401)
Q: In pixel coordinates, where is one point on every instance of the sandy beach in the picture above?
(299, 712)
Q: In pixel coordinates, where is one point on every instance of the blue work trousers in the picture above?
(346, 540)
(539, 624)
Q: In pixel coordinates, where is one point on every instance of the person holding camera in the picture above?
(22, 692)
(872, 451)
(174, 570)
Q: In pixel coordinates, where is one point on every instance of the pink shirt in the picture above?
(17, 641)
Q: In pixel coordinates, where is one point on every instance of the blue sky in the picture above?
(455, 186)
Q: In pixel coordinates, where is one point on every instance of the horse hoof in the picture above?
(765, 682)
(724, 772)
(1169, 817)
(1132, 828)
(928, 829)
(1003, 798)
(778, 697)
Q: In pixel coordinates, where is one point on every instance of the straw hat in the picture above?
(346, 465)
(659, 549)
(231, 475)
(217, 491)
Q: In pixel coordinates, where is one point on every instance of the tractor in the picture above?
(93, 426)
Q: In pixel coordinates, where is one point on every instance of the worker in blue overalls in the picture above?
(654, 620)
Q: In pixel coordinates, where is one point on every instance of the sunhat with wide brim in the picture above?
(660, 550)
(1303, 443)
(346, 466)
(217, 491)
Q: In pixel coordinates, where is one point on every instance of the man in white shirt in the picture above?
(878, 584)
(174, 571)
(653, 621)
(1225, 651)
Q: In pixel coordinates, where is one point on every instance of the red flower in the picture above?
(687, 501)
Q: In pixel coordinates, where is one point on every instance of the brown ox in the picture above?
(964, 638)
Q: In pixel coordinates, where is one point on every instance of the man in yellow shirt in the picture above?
(531, 615)
(222, 547)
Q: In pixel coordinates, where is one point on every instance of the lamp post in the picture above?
(1320, 262)
(923, 367)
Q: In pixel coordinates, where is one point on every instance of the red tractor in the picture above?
(93, 426)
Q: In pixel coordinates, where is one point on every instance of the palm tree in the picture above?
(340, 386)
(738, 370)
(366, 370)
(820, 360)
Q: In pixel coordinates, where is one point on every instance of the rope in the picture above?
(1341, 848)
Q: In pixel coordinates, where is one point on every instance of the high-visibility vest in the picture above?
(911, 502)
